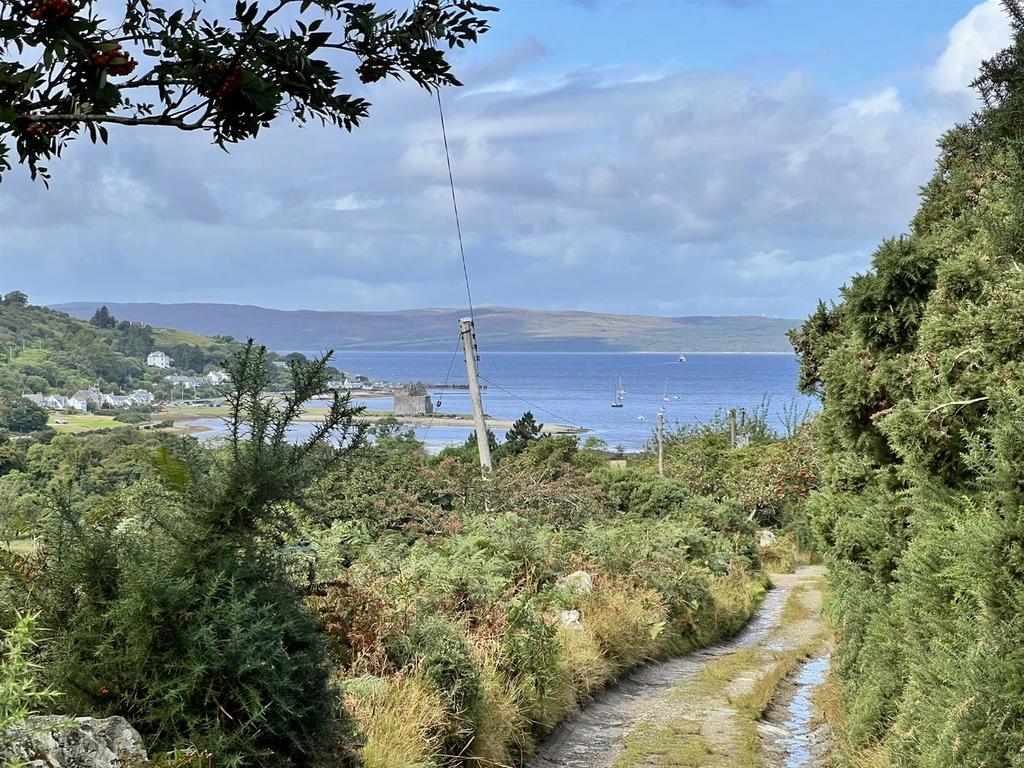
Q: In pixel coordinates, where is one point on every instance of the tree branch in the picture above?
(175, 122)
(961, 403)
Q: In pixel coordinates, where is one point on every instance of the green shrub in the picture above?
(171, 601)
(919, 514)
(22, 692)
(213, 651)
(436, 648)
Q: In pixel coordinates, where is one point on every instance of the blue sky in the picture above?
(653, 156)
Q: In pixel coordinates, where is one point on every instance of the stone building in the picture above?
(413, 401)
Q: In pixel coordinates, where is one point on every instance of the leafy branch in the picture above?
(66, 70)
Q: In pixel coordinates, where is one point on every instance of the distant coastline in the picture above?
(499, 329)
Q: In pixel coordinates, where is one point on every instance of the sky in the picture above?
(670, 157)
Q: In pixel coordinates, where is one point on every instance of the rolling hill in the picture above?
(498, 328)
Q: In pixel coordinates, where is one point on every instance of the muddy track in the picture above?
(595, 736)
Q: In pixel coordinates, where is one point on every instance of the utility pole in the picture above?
(661, 442)
(468, 334)
(732, 428)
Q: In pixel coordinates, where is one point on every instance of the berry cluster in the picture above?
(115, 61)
(45, 131)
(231, 83)
(371, 71)
(223, 85)
(52, 10)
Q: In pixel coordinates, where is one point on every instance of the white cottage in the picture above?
(158, 359)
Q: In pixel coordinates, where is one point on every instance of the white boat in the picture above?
(681, 359)
(665, 397)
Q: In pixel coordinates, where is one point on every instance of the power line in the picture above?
(455, 207)
(561, 419)
(465, 269)
(444, 386)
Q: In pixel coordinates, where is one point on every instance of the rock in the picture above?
(571, 620)
(83, 742)
(766, 537)
(578, 582)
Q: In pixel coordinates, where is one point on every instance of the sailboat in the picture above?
(619, 394)
(665, 397)
(681, 359)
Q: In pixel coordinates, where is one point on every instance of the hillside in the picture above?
(498, 328)
(42, 350)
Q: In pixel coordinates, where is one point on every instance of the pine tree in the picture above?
(102, 318)
(523, 432)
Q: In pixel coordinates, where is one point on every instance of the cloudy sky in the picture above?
(672, 157)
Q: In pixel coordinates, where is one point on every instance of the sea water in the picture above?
(578, 389)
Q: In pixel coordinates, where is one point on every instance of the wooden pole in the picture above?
(732, 428)
(661, 442)
(468, 335)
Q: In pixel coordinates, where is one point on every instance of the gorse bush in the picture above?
(921, 372)
(22, 691)
(172, 606)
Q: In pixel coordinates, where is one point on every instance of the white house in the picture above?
(143, 396)
(52, 402)
(118, 401)
(56, 402)
(158, 359)
(217, 377)
(87, 396)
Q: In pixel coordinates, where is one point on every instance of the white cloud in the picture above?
(885, 102)
(708, 192)
(353, 203)
(984, 31)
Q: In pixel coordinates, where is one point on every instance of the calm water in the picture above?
(578, 389)
(803, 750)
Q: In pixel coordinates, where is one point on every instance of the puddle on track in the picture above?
(799, 739)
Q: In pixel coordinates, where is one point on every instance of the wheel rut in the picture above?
(669, 712)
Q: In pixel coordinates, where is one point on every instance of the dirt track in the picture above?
(683, 711)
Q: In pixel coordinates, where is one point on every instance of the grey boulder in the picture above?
(82, 742)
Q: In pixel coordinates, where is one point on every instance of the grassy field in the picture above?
(190, 412)
(81, 422)
(169, 337)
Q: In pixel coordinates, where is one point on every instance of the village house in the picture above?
(158, 359)
(87, 398)
(185, 382)
(55, 402)
(143, 396)
(83, 398)
(217, 377)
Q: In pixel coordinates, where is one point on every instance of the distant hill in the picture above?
(42, 350)
(498, 328)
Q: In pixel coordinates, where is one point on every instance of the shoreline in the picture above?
(186, 422)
